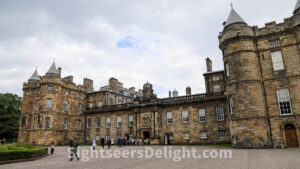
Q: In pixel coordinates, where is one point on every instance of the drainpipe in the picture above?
(263, 86)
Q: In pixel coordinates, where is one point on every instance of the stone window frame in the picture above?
(78, 125)
(87, 137)
(202, 118)
(274, 42)
(222, 134)
(23, 121)
(65, 123)
(170, 120)
(49, 105)
(100, 104)
(278, 63)
(185, 135)
(119, 121)
(202, 137)
(47, 122)
(284, 100)
(216, 78)
(130, 122)
(50, 88)
(217, 88)
(108, 122)
(37, 103)
(66, 106)
(231, 105)
(184, 119)
(35, 123)
(89, 123)
(98, 122)
(220, 113)
(227, 69)
(27, 93)
(79, 108)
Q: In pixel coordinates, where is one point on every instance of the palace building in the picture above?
(253, 103)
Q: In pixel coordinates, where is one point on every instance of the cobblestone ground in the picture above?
(241, 159)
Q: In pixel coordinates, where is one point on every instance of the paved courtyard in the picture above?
(241, 159)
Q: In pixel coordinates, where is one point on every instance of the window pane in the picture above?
(284, 101)
(277, 60)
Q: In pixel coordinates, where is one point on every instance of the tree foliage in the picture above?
(10, 109)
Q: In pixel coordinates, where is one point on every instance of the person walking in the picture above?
(108, 143)
(73, 148)
(52, 147)
(94, 144)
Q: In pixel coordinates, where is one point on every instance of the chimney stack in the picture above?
(188, 91)
(208, 65)
(170, 95)
(59, 70)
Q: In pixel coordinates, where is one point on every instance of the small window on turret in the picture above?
(227, 69)
(27, 93)
(67, 93)
(274, 42)
(50, 87)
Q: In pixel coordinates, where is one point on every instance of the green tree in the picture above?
(10, 109)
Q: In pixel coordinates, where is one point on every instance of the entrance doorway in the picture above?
(146, 135)
(291, 135)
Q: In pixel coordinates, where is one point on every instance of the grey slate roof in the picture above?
(34, 76)
(53, 70)
(234, 17)
(297, 6)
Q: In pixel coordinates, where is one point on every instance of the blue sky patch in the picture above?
(128, 42)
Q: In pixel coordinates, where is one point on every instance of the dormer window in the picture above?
(216, 78)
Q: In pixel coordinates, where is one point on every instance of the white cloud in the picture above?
(173, 39)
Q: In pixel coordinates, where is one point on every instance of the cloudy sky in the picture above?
(164, 42)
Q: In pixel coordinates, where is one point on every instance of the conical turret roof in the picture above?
(297, 6)
(234, 17)
(53, 70)
(34, 76)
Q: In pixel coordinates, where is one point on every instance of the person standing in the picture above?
(102, 142)
(112, 141)
(52, 147)
(108, 143)
(94, 144)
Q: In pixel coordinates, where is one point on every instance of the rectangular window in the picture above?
(107, 122)
(78, 124)
(220, 113)
(284, 101)
(91, 105)
(65, 123)
(50, 87)
(185, 116)
(89, 123)
(227, 69)
(217, 89)
(169, 118)
(49, 103)
(37, 103)
(277, 60)
(130, 119)
(88, 137)
(186, 136)
(203, 135)
(47, 123)
(222, 134)
(231, 105)
(274, 42)
(66, 106)
(171, 137)
(35, 123)
(216, 78)
(107, 137)
(27, 93)
(99, 104)
(119, 121)
(67, 93)
(79, 108)
(98, 122)
(97, 137)
(202, 117)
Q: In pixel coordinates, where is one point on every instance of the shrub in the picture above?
(17, 151)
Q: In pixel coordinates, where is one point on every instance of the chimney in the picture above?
(188, 91)
(170, 95)
(88, 84)
(59, 70)
(208, 65)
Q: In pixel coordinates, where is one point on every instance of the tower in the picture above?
(249, 120)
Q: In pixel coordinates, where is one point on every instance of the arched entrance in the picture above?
(290, 135)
